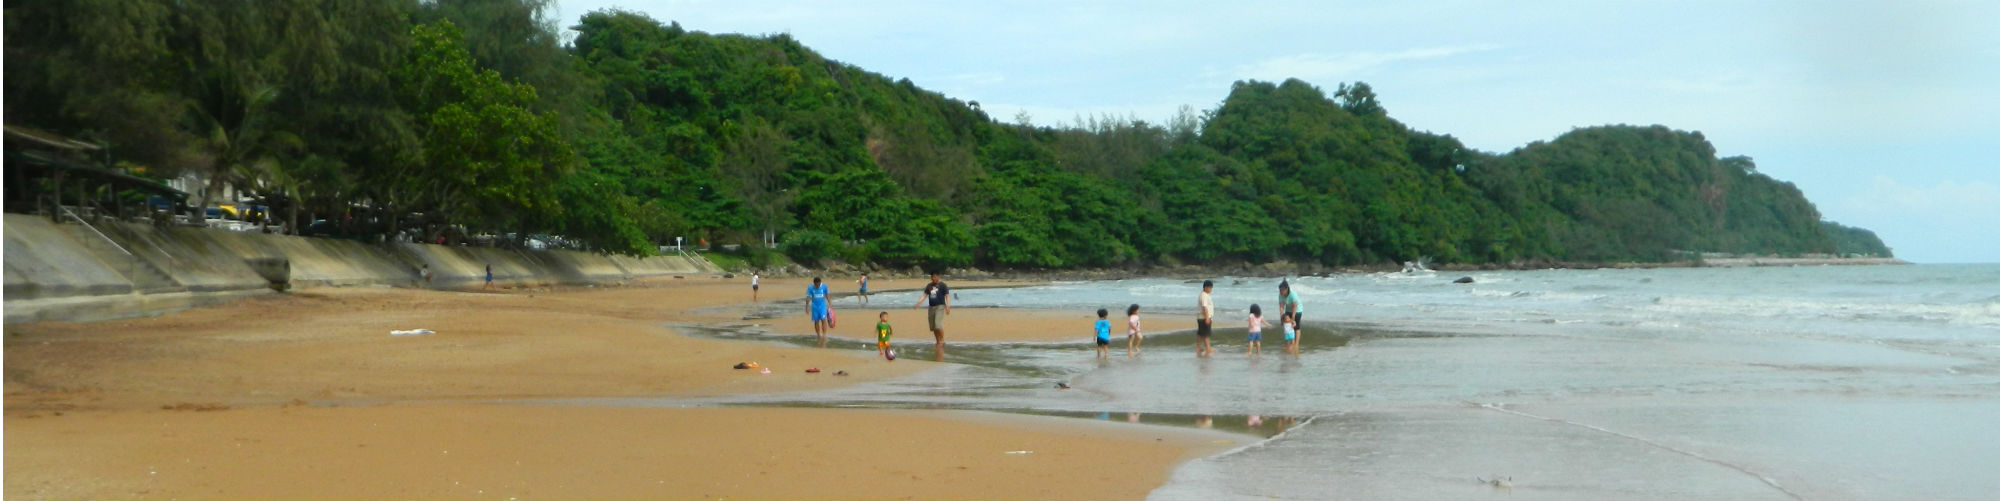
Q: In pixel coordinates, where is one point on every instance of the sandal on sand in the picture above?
(841, 373)
(814, 370)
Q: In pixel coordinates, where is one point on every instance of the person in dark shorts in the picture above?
(1288, 302)
(1204, 326)
(939, 296)
(1103, 328)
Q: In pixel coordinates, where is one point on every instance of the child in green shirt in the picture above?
(882, 333)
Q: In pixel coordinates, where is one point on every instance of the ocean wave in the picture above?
(1976, 315)
(1547, 295)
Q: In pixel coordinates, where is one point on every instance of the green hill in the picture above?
(464, 118)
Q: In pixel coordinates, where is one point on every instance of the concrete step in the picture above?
(145, 277)
(149, 279)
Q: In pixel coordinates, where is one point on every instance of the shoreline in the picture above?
(1282, 269)
(1743, 262)
(306, 394)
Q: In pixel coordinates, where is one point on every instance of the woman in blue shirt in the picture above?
(822, 314)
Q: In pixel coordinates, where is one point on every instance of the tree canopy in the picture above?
(444, 118)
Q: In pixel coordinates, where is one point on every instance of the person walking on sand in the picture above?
(939, 295)
(1204, 325)
(864, 289)
(753, 286)
(822, 316)
(1257, 325)
(489, 276)
(1133, 336)
(1103, 328)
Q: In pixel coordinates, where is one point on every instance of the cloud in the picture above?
(1313, 67)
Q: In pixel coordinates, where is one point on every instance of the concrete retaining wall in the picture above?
(70, 272)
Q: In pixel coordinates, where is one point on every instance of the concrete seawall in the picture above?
(72, 272)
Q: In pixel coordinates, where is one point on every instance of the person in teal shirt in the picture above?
(1103, 333)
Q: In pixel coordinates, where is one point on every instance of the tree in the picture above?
(488, 160)
(472, 113)
(1359, 99)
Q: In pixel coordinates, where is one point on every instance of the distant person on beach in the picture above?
(753, 287)
(1133, 336)
(1257, 325)
(939, 295)
(882, 333)
(864, 288)
(489, 276)
(427, 274)
(822, 316)
(1204, 325)
(1103, 328)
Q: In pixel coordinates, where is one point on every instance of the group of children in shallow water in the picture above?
(1205, 325)
(1135, 337)
(1288, 316)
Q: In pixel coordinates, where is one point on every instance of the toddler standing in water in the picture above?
(1257, 325)
(1133, 338)
(1103, 333)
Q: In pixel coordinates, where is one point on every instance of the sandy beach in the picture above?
(307, 395)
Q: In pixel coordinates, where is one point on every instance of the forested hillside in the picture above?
(461, 117)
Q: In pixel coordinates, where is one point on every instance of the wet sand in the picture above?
(970, 325)
(963, 324)
(306, 395)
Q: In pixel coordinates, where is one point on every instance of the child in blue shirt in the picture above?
(1291, 335)
(822, 313)
(1103, 333)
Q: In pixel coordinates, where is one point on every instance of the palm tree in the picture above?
(239, 137)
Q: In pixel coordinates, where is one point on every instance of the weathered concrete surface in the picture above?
(69, 272)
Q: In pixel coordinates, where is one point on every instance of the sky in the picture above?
(1883, 112)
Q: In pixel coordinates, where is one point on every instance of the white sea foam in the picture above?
(1978, 315)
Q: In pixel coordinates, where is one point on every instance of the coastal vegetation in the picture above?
(449, 118)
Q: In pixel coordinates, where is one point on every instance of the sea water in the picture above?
(1863, 382)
